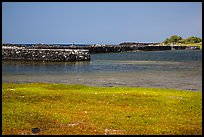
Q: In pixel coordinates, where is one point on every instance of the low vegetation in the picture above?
(177, 40)
(59, 109)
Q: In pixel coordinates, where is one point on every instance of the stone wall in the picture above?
(81, 52)
(122, 48)
(154, 48)
(28, 54)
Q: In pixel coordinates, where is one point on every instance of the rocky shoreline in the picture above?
(50, 52)
(29, 54)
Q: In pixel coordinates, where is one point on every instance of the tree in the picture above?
(175, 39)
(182, 41)
(166, 41)
(193, 40)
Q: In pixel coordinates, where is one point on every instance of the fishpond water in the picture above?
(178, 69)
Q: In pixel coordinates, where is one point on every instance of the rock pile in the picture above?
(22, 53)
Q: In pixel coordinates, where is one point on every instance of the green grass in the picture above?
(77, 109)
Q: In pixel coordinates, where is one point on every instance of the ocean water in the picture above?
(178, 69)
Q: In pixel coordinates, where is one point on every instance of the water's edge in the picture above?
(172, 69)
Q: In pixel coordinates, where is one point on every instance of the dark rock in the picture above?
(35, 130)
(80, 53)
(30, 54)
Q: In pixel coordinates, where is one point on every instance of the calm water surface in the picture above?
(179, 69)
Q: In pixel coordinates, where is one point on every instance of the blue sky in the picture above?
(99, 22)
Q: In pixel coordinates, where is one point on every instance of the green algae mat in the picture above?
(60, 109)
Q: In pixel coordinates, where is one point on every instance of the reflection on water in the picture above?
(23, 67)
(169, 69)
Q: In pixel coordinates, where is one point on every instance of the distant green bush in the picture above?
(193, 40)
(175, 39)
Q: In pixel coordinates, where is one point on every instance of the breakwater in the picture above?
(107, 48)
(31, 54)
(51, 52)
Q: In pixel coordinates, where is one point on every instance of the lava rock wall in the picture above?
(26, 54)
